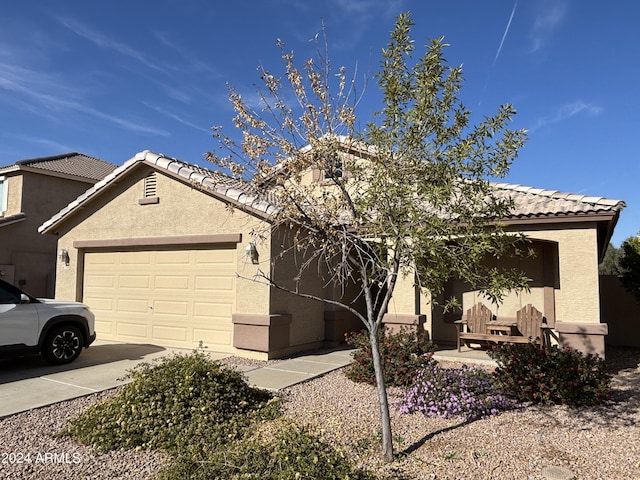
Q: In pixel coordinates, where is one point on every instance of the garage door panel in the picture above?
(212, 336)
(135, 258)
(216, 283)
(171, 282)
(132, 305)
(105, 259)
(100, 281)
(173, 257)
(137, 331)
(170, 308)
(175, 297)
(105, 327)
(100, 304)
(215, 257)
(133, 281)
(211, 310)
(175, 334)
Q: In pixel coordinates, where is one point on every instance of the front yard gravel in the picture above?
(592, 443)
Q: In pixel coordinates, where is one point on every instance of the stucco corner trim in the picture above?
(185, 240)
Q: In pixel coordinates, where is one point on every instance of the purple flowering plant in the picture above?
(468, 392)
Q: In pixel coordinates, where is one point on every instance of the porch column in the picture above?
(404, 308)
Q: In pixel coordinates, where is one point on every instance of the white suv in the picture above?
(56, 329)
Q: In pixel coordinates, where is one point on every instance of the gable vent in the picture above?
(150, 185)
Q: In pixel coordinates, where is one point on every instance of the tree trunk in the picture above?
(385, 418)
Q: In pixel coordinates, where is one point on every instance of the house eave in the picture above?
(11, 219)
(560, 218)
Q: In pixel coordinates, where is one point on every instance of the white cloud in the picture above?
(49, 144)
(548, 20)
(179, 119)
(46, 93)
(567, 111)
(104, 41)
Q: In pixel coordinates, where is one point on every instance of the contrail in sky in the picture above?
(506, 30)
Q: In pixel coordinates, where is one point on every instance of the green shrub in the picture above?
(277, 451)
(180, 403)
(403, 355)
(551, 375)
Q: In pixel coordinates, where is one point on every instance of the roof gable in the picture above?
(227, 189)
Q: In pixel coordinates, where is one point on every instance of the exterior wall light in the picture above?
(63, 255)
(252, 252)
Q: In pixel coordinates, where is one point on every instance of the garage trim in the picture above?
(223, 238)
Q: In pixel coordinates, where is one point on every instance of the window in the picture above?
(335, 167)
(3, 195)
(9, 295)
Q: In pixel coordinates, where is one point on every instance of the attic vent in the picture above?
(150, 190)
(150, 185)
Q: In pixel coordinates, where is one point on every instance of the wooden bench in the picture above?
(482, 325)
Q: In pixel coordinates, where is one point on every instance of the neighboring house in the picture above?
(30, 192)
(157, 249)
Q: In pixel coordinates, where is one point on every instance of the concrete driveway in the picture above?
(29, 382)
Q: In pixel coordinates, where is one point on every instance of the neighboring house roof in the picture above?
(4, 221)
(233, 191)
(533, 203)
(71, 164)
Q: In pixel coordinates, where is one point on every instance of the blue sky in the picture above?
(110, 79)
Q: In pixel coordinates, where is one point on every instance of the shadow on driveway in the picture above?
(34, 366)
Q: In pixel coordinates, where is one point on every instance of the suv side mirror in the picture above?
(24, 298)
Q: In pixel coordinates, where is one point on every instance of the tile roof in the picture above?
(242, 194)
(73, 163)
(12, 219)
(530, 203)
(537, 203)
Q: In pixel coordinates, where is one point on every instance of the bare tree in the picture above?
(407, 195)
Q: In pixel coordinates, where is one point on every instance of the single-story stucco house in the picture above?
(158, 247)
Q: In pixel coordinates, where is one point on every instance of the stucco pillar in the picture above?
(404, 308)
(577, 300)
(261, 333)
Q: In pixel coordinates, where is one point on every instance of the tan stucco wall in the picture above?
(575, 290)
(307, 316)
(621, 311)
(577, 298)
(13, 184)
(181, 211)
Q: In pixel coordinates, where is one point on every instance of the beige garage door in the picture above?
(175, 298)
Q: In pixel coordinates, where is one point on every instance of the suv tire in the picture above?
(62, 345)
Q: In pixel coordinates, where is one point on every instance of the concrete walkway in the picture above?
(465, 355)
(27, 383)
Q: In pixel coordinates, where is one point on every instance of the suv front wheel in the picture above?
(62, 345)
